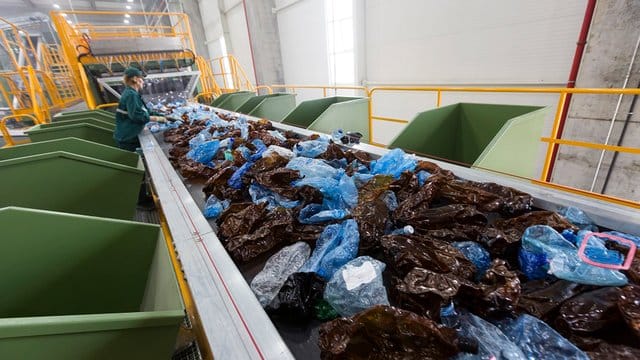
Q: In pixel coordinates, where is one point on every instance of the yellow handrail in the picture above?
(267, 87)
(324, 88)
(5, 131)
(102, 106)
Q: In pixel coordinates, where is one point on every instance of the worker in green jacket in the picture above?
(132, 114)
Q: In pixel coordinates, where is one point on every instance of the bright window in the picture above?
(339, 16)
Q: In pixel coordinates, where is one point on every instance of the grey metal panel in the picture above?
(118, 46)
(234, 323)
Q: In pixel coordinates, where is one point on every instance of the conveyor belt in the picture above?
(235, 324)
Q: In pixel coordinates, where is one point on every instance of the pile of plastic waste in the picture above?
(399, 257)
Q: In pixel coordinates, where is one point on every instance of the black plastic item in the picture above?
(296, 299)
(590, 312)
(351, 138)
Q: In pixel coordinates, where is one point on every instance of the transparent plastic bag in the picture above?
(277, 269)
(492, 342)
(578, 218)
(205, 152)
(336, 246)
(538, 340)
(278, 135)
(213, 207)
(242, 124)
(478, 255)
(310, 148)
(394, 163)
(260, 194)
(562, 259)
(356, 286)
(284, 152)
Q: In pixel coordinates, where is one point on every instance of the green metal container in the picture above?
(217, 101)
(87, 120)
(96, 114)
(331, 113)
(503, 138)
(74, 146)
(233, 101)
(273, 107)
(89, 132)
(62, 181)
(81, 287)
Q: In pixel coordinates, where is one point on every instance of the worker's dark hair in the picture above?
(129, 80)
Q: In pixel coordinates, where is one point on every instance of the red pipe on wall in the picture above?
(573, 75)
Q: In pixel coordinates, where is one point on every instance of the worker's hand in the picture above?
(160, 119)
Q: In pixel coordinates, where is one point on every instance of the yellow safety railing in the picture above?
(93, 25)
(231, 74)
(5, 130)
(269, 89)
(56, 66)
(107, 105)
(552, 141)
(324, 88)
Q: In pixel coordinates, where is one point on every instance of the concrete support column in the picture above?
(265, 41)
(192, 9)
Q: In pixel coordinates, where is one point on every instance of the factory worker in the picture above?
(132, 114)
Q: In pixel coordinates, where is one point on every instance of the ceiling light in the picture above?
(63, 14)
(126, 21)
(128, 7)
(127, 16)
(56, 6)
(69, 21)
(130, 1)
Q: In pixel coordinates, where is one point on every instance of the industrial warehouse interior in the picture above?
(319, 179)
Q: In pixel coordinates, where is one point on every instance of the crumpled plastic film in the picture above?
(386, 332)
(337, 245)
(357, 286)
(277, 269)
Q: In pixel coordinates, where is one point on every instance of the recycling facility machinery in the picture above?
(220, 288)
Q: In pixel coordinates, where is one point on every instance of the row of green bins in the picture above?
(232, 101)
(64, 181)
(74, 146)
(95, 114)
(503, 138)
(81, 287)
(351, 114)
(86, 120)
(100, 134)
(272, 106)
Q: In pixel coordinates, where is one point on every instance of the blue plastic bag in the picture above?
(578, 218)
(562, 259)
(538, 340)
(242, 124)
(235, 181)
(394, 163)
(478, 255)
(316, 213)
(313, 168)
(492, 342)
(356, 286)
(213, 207)
(336, 246)
(204, 152)
(278, 135)
(389, 198)
(310, 148)
(423, 175)
(260, 194)
(260, 149)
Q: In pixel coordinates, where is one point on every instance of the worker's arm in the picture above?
(136, 110)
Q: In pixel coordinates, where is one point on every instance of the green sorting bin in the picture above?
(86, 120)
(273, 107)
(62, 181)
(499, 137)
(82, 287)
(217, 101)
(331, 113)
(95, 114)
(89, 132)
(74, 146)
(232, 101)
